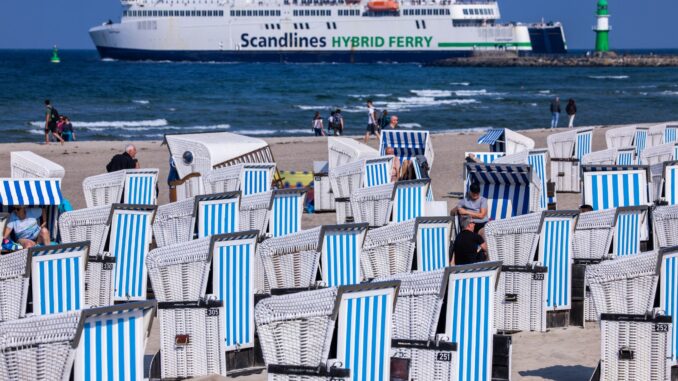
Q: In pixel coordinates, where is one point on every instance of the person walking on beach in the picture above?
(393, 124)
(51, 120)
(372, 128)
(318, 124)
(337, 123)
(571, 110)
(555, 112)
(125, 160)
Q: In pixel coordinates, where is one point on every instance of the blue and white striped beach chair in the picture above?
(233, 283)
(640, 140)
(112, 343)
(377, 171)
(407, 144)
(626, 156)
(668, 291)
(631, 227)
(256, 178)
(365, 328)
(129, 242)
(671, 134)
(484, 157)
(583, 143)
(433, 242)
(341, 250)
(511, 189)
(567, 149)
(470, 318)
(669, 182)
(140, 186)
(409, 199)
(612, 186)
(216, 214)
(58, 277)
(45, 193)
(287, 206)
(536, 158)
(556, 254)
(505, 140)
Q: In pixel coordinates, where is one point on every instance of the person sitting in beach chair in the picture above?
(28, 232)
(473, 205)
(469, 247)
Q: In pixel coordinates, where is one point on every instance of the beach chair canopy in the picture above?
(593, 235)
(484, 157)
(290, 261)
(347, 150)
(611, 156)
(216, 214)
(202, 152)
(88, 224)
(26, 164)
(571, 144)
(174, 222)
(433, 237)
(513, 241)
(341, 251)
(555, 253)
(30, 192)
(505, 140)
(537, 159)
(656, 134)
(615, 185)
(668, 297)
(407, 144)
(659, 154)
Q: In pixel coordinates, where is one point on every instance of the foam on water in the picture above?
(608, 76)
(460, 83)
(114, 123)
(141, 101)
(409, 125)
(432, 93)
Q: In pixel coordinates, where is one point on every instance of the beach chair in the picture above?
(537, 159)
(511, 189)
(513, 241)
(26, 164)
(43, 193)
(620, 137)
(290, 261)
(470, 317)
(567, 150)
(388, 250)
(520, 303)
(611, 156)
(373, 205)
(668, 297)
(249, 178)
(668, 182)
(659, 154)
(409, 199)
(655, 134)
(14, 279)
(58, 277)
(140, 186)
(407, 144)
(39, 347)
(671, 134)
(665, 225)
(606, 187)
(174, 222)
(255, 211)
(111, 346)
(287, 206)
(129, 242)
(89, 224)
(342, 151)
(433, 238)
(593, 235)
(341, 254)
(555, 253)
(216, 214)
(104, 189)
(323, 197)
(506, 141)
(484, 157)
(631, 227)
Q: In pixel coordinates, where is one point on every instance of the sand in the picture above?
(561, 354)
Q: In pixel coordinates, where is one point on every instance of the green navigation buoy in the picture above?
(55, 55)
(602, 28)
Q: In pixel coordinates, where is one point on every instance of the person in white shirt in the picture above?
(27, 231)
(371, 122)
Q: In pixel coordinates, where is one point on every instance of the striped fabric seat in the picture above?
(377, 171)
(233, 283)
(421, 175)
(256, 178)
(33, 192)
(555, 252)
(640, 140)
(286, 210)
(58, 277)
(537, 160)
(140, 186)
(216, 214)
(628, 231)
(626, 157)
(364, 329)
(608, 187)
(583, 144)
(671, 182)
(341, 250)
(509, 188)
(112, 343)
(671, 134)
(407, 144)
(470, 318)
(433, 236)
(668, 291)
(129, 241)
(409, 199)
(485, 157)
(494, 138)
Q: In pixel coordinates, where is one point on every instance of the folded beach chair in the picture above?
(26, 164)
(216, 214)
(290, 261)
(249, 178)
(506, 141)
(433, 238)
(129, 242)
(388, 250)
(659, 154)
(668, 292)
(14, 279)
(58, 277)
(665, 225)
(44, 193)
(112, 343)
(627, 136)
(342, 151)
(612, 156)
(39, 347)
(373, 205)
(612, 186)
(470, 317)
(566, 150)
(513, 241)
(631, 227)
(520, 303)
(407, 144)
(484, 157)
(593, 235)
(341, 254)
(174, 222)
(255, 211)
(511, 189)
(287, 207)
(537, 159)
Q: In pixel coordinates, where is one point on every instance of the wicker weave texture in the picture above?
(172, 223)
(665, 220)
(26, 164)
(593, 235)
(513, 240)
(179, 272)
(344, 212)
(520, 301)
(224, 179)
(14, 285)
(346, 179)
(89, 224)
(290, 261)
(372, 205)
(99, 278)
(426, 365)
(255, 212)
(104, 189)
(388, 250)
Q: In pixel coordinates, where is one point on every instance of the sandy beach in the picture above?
(561, 354)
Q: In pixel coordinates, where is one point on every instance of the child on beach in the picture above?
(318, 128)
(66, 130)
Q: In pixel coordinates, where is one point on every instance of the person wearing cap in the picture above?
(474, 206)
(469, 247)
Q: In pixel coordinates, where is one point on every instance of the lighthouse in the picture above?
(602, 27)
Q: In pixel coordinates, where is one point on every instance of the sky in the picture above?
(39, 24)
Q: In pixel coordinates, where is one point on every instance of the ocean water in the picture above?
(115, 100)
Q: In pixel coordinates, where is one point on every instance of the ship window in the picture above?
(204, 13)
(266, 13)
(340, 12)
(423, 24)
(313, 12)
(295, 26)
(221, 13)
(307, 27)
(249, 13)
(232, 13)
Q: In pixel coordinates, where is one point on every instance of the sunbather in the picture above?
(27, 230)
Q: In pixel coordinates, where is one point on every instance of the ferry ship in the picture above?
(308, 30)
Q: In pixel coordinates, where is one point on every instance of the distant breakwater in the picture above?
(607, 60)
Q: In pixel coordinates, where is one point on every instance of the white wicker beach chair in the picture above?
(656, 134)
(659, 154)
(606, 187)
(39, 347)
(113, 341)
(470, 317)
(216, 214)
(290, 261)
(593, 235)
(287, 207)
(179, 272)
(129, 242)
(505, 140)
(14, 277)
(58, 277)
(666, 184)
(347, 150)
(433, 238)
(249, 178)
(224, 179)
(668, 297)
(537, 159)
(323, 197)
(348, 178)
(612, 156)
(388, 250)
(26, 164)
(620, 137)
(191, 339)
(174, 223)
(341, 248)
(373, 205)
(631, 227)
(89, 224)
(484, 157)
(44, 193)
(140, 186)
(513, 240)
(566, 150)
(665, 224)
(104, 189)
(520, 303)
(671, 133)
(255, 212)
(407, 144)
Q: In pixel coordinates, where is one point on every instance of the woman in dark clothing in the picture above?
(571, 110)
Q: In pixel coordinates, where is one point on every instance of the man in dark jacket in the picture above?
(125, 160)
(555, 112)
(469, 247)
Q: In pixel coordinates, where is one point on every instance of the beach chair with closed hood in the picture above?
(537, 159)
(44, 193)
(631, 227)
(389, 250)
(216, 214)
(287, 207)
(342, 151)
(399, 202)
(26, 164)
(665, 225)
(612, 156)
(127, 186)
(341, 250)
(611, 186)
(248, 178)
(506, 141)
(567, 149)
(407, 144)
(659, 154)
(628, 136)
(661, 133)
(433, 238)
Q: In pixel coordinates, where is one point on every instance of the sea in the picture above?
(118, 100)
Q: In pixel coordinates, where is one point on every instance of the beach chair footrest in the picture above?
(502, 346)
(319, 372)
(557, 319)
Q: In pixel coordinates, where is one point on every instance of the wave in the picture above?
(432, 93)
(141, 101)
(667, 92)
(407, 103)
(545, 92)
(460, 83)
(366, 96)
(114, 123)
(409, 125)
(608, 76)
